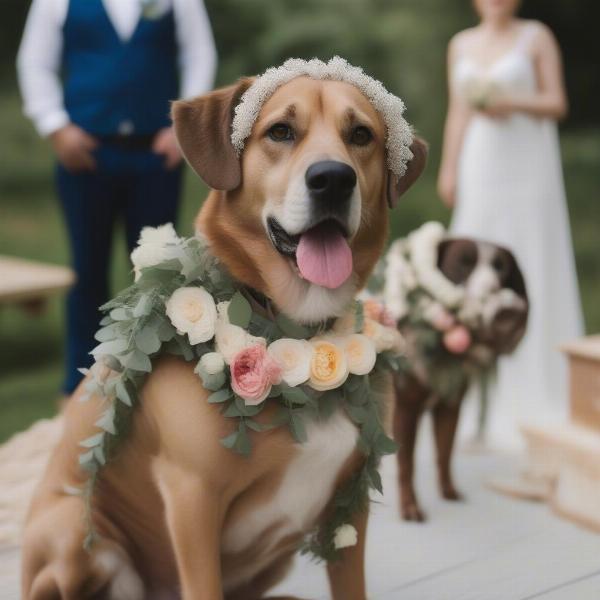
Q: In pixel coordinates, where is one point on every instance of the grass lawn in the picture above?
(30, 226)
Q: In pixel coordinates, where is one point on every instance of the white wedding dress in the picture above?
(510, 191)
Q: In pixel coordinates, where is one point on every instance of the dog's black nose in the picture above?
(330, 180)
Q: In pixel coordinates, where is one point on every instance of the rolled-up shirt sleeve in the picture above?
(39, 63)
(197, 51)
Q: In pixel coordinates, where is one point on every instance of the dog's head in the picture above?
(488, 271)
(302, 214)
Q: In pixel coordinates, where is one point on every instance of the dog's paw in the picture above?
(449, 492)
(411, 511)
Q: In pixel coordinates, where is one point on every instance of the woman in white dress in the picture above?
(501, 170)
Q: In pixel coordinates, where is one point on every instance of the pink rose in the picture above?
(253, 372)
(443, 321)
(457, 340)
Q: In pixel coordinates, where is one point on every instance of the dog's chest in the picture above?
(306, 487)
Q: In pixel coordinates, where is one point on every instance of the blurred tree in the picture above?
(402, 42)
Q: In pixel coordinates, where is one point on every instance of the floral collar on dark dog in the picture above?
(184, 303)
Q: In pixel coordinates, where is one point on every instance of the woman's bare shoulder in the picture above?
(461, 40)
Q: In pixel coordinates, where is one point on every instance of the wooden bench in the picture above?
(25, 280)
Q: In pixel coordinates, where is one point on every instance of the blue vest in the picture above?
(113, 86)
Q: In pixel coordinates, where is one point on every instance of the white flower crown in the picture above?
(399, 133)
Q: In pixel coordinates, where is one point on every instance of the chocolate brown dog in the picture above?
(496, 298)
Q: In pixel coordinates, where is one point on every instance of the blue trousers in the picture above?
(132, 185)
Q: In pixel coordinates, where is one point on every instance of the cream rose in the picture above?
(193, 312)
(384, 338)
(360, 353)
(231, 339)
(328, 365)
(345, 536)
(293, 356)
(156, 244)
(212, 363)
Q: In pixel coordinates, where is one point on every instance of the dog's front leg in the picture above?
(194, 522)
(347, 576)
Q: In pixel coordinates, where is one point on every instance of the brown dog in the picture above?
(179, 514)
(482, 270)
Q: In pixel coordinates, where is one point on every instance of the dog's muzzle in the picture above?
(330, 184)
(321, 251)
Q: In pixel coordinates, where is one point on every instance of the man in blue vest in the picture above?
(97, 77)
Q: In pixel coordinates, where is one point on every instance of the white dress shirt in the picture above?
(39, 57)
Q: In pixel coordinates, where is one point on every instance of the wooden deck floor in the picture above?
(486, 548)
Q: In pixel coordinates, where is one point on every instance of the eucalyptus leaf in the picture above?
(92, 441)
(213, 382)
(137, 361)
(99, 455)
(107, 421)
(295, 395)
(220, 396)
(106, 334)
(144, 306)
(120, 314)
(385, 445)
(165, 331)
(147, 340)
(122, 393)
(239, 311)
(242, 443)
(359, 319)
(113, 347)
(291, 328)
(259, 427)
(297, 427)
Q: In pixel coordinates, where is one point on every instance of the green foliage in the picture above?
(135, 330)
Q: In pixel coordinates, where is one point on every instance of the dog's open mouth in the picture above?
(321, 253)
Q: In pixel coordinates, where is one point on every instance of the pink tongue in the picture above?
(324, 257)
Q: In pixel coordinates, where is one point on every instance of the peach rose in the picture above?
(377, 312)
(384, 338)
(457, 340)
(360, 353)
(253, 373)
(328, 367)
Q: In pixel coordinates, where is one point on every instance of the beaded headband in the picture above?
(399, 135)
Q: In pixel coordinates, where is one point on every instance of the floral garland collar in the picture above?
(183, 302)
(441, 317)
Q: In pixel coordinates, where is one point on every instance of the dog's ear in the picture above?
(396, 187)
(515, 280)
(203, 129)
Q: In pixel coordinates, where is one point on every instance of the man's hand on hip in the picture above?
(166, 145)
(73, 147)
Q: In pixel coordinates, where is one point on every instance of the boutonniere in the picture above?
(154, 9)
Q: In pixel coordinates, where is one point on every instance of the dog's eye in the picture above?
(281, 132)
(499, 265)
(361, 136)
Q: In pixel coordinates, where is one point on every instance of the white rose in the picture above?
(293, 356)
(156, 245)
(230, 339)
(165, 234)
(345, 536)
(384, 338)
(360, 353)
(424, 244)
(192, 310)
(212, 363)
